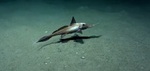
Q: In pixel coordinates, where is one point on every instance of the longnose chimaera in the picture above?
(74, 27)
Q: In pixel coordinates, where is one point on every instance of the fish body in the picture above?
(67, 29)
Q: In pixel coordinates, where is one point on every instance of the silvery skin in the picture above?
(67, 29)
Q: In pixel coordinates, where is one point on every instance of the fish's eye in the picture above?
(83, 25)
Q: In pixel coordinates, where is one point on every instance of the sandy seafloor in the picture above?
(124, 44)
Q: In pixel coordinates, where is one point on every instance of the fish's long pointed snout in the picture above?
(87, 26)
(91, 25)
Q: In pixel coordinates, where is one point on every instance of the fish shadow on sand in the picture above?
(76, 38)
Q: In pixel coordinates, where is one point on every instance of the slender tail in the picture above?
(44, 38)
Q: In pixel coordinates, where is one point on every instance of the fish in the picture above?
(73, 27)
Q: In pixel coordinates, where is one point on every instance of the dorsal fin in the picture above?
(60, 28)
(72, 21)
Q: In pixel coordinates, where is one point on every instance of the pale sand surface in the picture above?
(124, 44)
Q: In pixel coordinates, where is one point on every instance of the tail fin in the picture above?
(44, 38)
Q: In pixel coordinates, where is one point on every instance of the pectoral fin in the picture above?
(79, 31)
